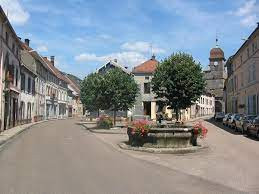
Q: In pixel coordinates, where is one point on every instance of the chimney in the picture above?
(153, 57)
(115, 60)
(52, 60)
(27, 41)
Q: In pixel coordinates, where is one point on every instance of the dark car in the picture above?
(243, 122)
(253, 128)
(232, 122)
(219, 116)
(226, 118)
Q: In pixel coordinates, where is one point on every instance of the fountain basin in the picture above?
(176, 137)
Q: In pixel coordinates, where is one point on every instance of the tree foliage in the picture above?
(178, 81)
(114, 90)
(91, 92)
(120, 91)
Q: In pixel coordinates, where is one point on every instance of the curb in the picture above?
(124, 146)
(100, 132)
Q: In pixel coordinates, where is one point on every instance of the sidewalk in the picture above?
(9, 134)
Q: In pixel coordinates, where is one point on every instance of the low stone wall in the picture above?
(178, 137)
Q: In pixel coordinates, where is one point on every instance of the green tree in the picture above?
(178, 81)
(120, 92)
(91, 92)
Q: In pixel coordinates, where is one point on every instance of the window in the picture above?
(251, 104)
(251, 73)
(29, 85)
(146, 88)
(13, 47)
(33, 87)
(7, 38)
(248, 52)
(22, 81)
(241, 59)
(17, 77)
(242, 79)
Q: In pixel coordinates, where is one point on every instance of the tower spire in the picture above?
(217, 40)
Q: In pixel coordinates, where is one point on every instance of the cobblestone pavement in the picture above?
(232, 159)
(62, 157)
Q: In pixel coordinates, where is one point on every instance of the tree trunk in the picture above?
(98, 112)
(114, 118)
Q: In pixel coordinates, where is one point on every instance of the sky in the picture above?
(85, 34)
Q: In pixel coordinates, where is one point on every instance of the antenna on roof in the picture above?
(217, 40)
(151, 48)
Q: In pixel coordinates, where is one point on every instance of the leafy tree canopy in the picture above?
(121, 90)
(178, 81)
(91, 92)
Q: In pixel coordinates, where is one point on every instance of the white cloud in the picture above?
(42, 48)
(142, 47)
(247, 9)
(16, 14)
(248, 13)
(249, 21)
(129, 59)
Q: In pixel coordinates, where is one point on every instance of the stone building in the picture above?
(215, 77)
(28, 75)
(9, 74)
(146, 104)
(56, 97)
(75, 106)
(242, 87)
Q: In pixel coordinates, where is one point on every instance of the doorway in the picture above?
(147, 108)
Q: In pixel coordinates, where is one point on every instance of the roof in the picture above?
(8, 22)
(115, 64)
(146, 67)
(55, 70)
(73, 85)
(34, 54)
(28, 62)
(247, 40)
(217, 53)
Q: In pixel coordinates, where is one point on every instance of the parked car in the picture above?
(253, 128)
(243, 122)
(219, 116)
(226, 118)
(233, 120)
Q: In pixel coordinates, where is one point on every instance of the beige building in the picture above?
(242, 87)
(9, 73)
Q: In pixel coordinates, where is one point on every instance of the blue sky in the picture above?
(84, 34)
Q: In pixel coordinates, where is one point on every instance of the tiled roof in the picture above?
(55, 70)
(73, 85)
(216, 53)
(146, 67)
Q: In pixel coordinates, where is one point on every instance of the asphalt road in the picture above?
(62, 157)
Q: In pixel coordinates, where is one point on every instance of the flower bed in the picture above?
(104, 122)
(138, 132)
(198, 131)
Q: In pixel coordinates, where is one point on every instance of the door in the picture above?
(147, 109)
